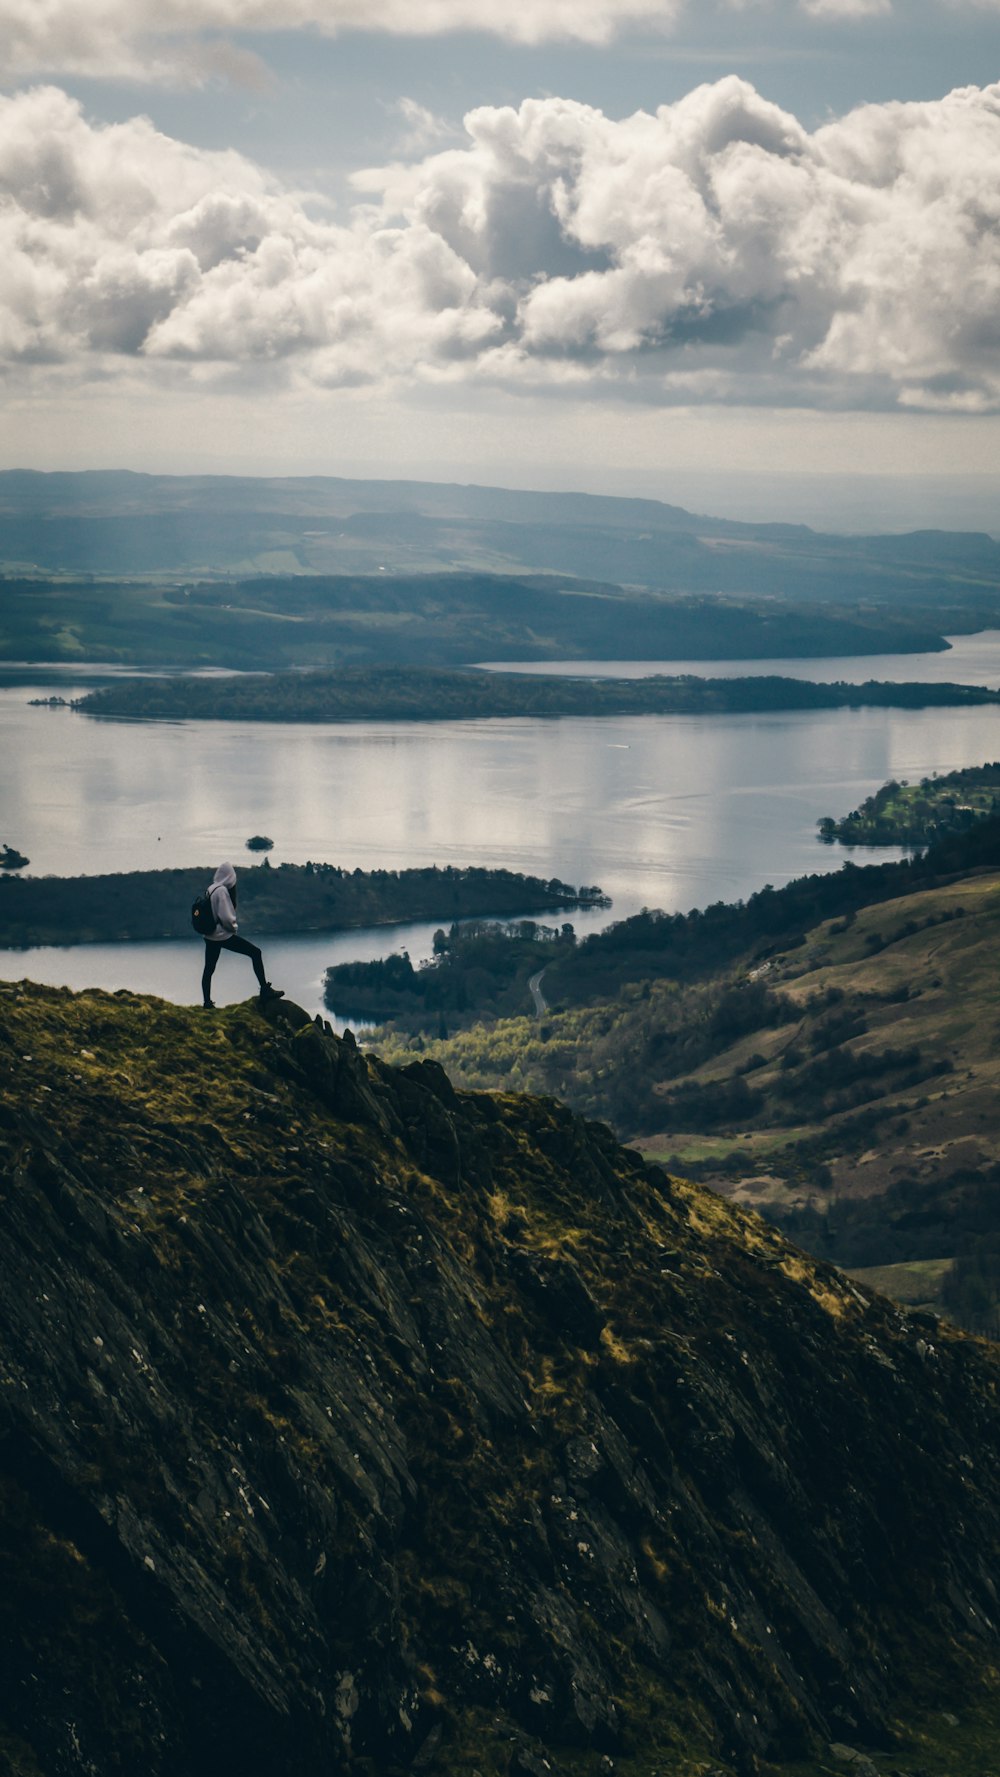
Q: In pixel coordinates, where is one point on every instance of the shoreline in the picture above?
(289, 900)
(366, 694)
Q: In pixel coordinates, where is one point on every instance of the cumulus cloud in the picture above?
(715, 250)
(123, 242)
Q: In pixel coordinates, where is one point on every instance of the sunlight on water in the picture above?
(970, 660)
(672, 812)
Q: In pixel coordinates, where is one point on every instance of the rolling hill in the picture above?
(827, 1054)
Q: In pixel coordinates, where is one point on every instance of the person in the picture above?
(222, 894)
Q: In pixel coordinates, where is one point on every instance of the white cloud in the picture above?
(123, 242)
(159, 39)
(422, 129)
(846, 9)
(716, 250)
(184, 41)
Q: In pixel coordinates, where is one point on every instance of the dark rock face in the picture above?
(347, 1422)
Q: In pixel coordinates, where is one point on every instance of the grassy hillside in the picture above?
(840, 1075)
(351, 1424)
(122, 525)
(919, 814)
(192, 571)
(448, 618)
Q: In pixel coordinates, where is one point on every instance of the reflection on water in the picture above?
(664, 811)
(969, 660)
(172, 968)
(671, 812)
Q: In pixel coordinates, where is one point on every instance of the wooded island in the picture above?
(425, 694)
(149, 904)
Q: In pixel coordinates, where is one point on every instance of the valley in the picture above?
(828, 1055)
(512, 495)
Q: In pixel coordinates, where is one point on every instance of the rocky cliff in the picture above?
(348, 1423)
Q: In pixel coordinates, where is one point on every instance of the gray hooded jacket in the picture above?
(222, 906)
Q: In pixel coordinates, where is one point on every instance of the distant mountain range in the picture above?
(116, 524)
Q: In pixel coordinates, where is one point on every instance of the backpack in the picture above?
(203, 915)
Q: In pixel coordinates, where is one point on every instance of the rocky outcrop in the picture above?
(351, 1423)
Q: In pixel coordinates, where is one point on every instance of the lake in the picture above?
(672, 812)
(968, 660)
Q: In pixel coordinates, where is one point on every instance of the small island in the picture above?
(424, 694)
(311, 897)
(916, 815)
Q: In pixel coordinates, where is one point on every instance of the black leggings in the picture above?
(242, 948)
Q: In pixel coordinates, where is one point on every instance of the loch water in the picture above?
(672, 812)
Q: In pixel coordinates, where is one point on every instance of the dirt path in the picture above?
(535, 989)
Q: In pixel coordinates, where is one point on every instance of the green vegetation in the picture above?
(198, 571)
(482, 966)
(119, 527)
(919, 814)
(444, 619)
(426, 695)
(689, 946)
(970, 1290)
(826, 1053)
(919, 1283)
(355, 1389)
(291, 898)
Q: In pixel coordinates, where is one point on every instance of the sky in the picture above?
(740, 252)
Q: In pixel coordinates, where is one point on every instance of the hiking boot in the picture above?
(209, 1006)
(268, 992)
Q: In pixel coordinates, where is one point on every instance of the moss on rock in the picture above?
(347, 1420)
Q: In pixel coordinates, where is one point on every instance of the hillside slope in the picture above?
(843, 1078)
(121, 524)
(858, 1022)
(347, 1422)
(449, 618)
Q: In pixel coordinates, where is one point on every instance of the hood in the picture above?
(224, 877)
